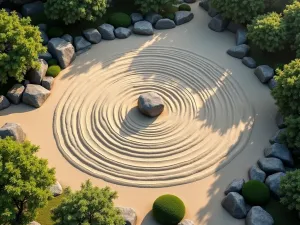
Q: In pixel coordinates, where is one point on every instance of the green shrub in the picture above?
(119, 20)
(291, 135)
(268, 32)
(170, 16)
(277, 5)
(256, 193)
(20, 45)
(240, 11)
(76, 10)
(297, 46)
(154, 5)
(170, 9)
(287, 91)
(53, 71)
(184, 7)
(168, 210)
(52, 62)
(55, 32)
(291, 16)
(290, 190)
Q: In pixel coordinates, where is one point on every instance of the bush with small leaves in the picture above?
(55, 32)
(268, 32)
(76, 10)
(20, 45)
(297, 46)
(53, 71)
(52, 62)
(184, 7)
(291, 135)
(154, 5)
(119, 20)
(291, 16)
(256, 193)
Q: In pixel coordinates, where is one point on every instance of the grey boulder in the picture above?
(212, 12)
(258, 216)
(152, 18)
(271, 165)
(107, 31)
(92, 35)
(15, 93)
(272, 83)
(122, 32)
(4, 103)
(264, 73)
(67, 38)
(129, 215)
(35, 95)
(56, 189)
(62, 51)
(239, 51)
(255, 173)
(13, 130)
(235, 205)
(150, 104)
(235, 186)
(241, 36)
(273, 182)
(136, 17)
(164, 24)
(249, 62)
(280, 151)
(35, 76)
(204, 4)
(182, 17)
(218, 23)
(143, 28)
(33, 8)
(81, 44)
(45, 56)
(276, 138)
(44, 37)
(48, 82)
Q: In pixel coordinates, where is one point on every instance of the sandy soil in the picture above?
(216, 112)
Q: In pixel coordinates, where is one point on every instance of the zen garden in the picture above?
(149, 112)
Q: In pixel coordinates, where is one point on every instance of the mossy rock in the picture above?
(55, 32)
(53, 71)
(256, 193)
(184, 7)
(119, 20)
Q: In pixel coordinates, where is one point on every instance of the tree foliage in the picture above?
(297, 46)
(76, 10)
(20, 45)
(291, 135)
(154, 5)
(89, 206)
(292, 20)
(268, 32)
(24, 180)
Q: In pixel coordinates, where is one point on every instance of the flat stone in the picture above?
(276, 138)
(33, 8)
(143, 28)
(165, 24)
(273, 182)
(67, 38)
(271, 165)
(56, 189)
(255, 173)
(272, 83)
(45, 56)
(153, 18)
(107, 31)
(280, 151)
(235, 186)
(44, 37)
(182, 17)
(204, 4)
(80, 43)
(264, 73)
(218, 23)
(186, 222)
(235, 205)
(13, 130)
(129, 215)
(92, 35)
(122, 32)
(239, 51)
(35, 76)
(4, 103)
(42, 27)
(241, 36)
(15, 93)
(280, 121)
(150, 104)
(136, 17)
(258, 216)
(35, 95)
(249, 62)
(234, 27)
(48, 82)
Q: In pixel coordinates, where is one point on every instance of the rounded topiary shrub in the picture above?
(119, 20)
(297, 46)
(291, 16)
(184, 7)
(52, 62)
(256, 193)
(168, 210)
(154, 5)
(55, 32)
(53, 71)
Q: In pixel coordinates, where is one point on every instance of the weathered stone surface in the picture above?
(273, 182)
(249, 62)
(62, 51)
(67, 38)
(35, 95)
(136, 17)
(241, 36)
(48, 82)
(280, 120)
(13, 130)
(34, 223)
(239, 51)
(153, 18)
(234, 27)
(33, 8)
(264, 73)
(35, 76)
(255, 173)
(272, 83)
(56, 189)
(204, 4)
(42, 27)
(15, 93)
(182, 17)
(218, 23)
(129, 215)
(4, 103)
(92, 35)
(44, 37)
(271, 165)
(122, 32)
(235, 186)
(212, 12)
(45, 56)
(280, 151)
(235, 205)
(143, 28)
(107, 31)
(276, 137)
(164, 24)
(186, 222)
(258, 216)
(80, 43)
(150, 104)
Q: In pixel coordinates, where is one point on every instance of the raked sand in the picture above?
(217, 120)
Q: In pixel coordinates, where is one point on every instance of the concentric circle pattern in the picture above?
(207, 119)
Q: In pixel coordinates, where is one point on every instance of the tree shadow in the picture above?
(15, 109)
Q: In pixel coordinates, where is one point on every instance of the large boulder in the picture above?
(4, 103)
(35, 95)
(122, 32)
(234, 27)
(212, 12)
(280, 151)
(239, 51)
(56, 189)
(258, 216)
(241, 36)
(81, 44)
(35, 76)
(92, 35)
(255, 173)
(235, 205)
(264, 73)
(182, 17)
(151, 104)
(271, 165)
(62, 51)
(44, 37)
(67, 38)
(186, 222)
(249, 62)
(143, 28)
(273, 182)
(107, 31)
(136, 17)
(235, 186)
(164, 24)
(272, 83)
(129, 215)
(153, 18)
(218, 23)
(45, 56)
(13, 130)
(15, 93)
(276, 138)
(48, 82)
(204, 4)
(33, 8)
